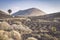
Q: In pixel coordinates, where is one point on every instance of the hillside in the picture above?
(48, 16)
(4, 15)
(29, 12)
(43, 27)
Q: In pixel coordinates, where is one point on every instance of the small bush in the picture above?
(3, 36)
(4, 26)
(31, 38)
(53, 29)
(15, 35)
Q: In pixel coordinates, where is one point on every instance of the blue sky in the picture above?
(48, 6)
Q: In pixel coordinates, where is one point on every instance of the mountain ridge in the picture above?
(48, 16)
(29, 12)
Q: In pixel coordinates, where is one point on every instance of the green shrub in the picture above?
(53, 29)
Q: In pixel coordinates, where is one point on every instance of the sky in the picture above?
(48, 6)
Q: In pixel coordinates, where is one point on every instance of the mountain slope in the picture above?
(48, 16)
(29, 12)
(4, 15)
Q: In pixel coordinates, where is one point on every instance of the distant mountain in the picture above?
(29, 12)
(4, 15)
(48, 16)
(53, 15)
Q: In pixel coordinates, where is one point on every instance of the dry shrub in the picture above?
(21, 28)
(15, 35)
(4, 26)
(31, 38)
(12, 35)
(3, 36)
